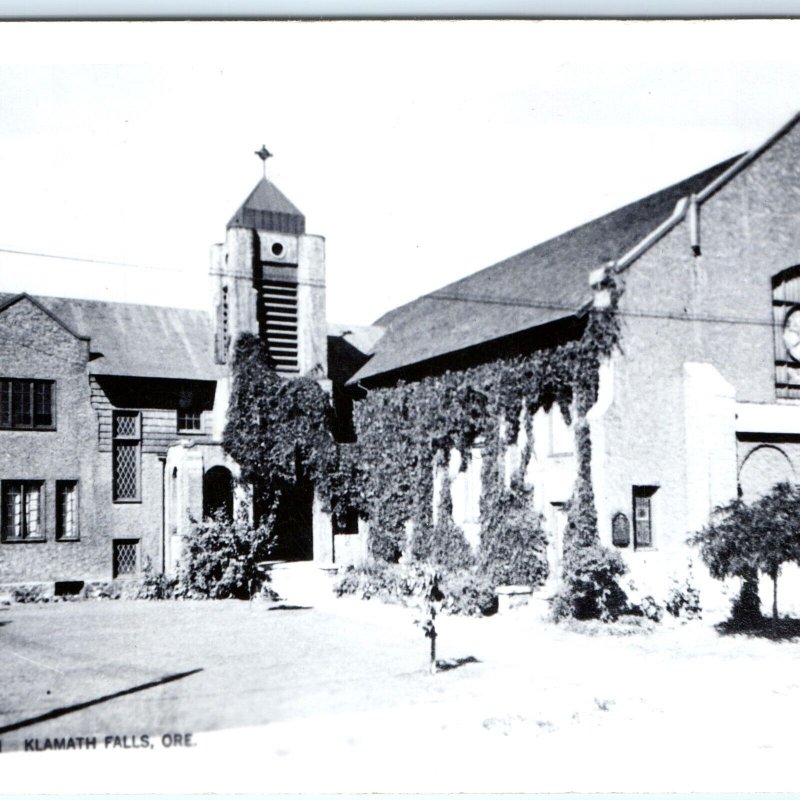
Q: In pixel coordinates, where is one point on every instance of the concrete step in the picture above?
(302, 583)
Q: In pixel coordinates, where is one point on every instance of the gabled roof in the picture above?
(10, 300)
(138, 340)
(267, 208)
(538, 286)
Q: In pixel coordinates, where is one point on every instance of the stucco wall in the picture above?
(678, 308)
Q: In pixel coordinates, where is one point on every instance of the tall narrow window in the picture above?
(22, 511)
(643, 515)
(126, 456)
(27, 404)
(67, 511)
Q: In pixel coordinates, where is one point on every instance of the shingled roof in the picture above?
(146, 341)
(538, 286)
(267, 208)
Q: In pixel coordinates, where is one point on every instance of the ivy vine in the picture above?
(280, 431)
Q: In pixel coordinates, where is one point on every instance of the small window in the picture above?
(127, 456)
(643, 515)
(346, 522)
(190, 421)
(27, 404)
(126, 557)
(67, 511)
(22, 511)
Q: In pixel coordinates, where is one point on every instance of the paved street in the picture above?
(343, 701)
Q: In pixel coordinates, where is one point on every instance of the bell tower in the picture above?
(268, 278)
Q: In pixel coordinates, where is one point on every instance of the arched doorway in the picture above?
(218, 492)
(764, 466)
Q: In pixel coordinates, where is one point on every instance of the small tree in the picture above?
(744, 538)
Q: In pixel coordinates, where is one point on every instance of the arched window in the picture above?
(786, 326)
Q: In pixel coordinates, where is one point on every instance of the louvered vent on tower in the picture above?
(279, 324)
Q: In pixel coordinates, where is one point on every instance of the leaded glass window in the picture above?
(126, 456)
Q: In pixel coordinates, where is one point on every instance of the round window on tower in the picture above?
(277, 249)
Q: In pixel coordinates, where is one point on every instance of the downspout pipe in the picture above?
(163, 460)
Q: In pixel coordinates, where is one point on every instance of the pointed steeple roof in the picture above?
(268, 209)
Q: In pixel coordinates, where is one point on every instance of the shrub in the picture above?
(156, 585)
(32, 593)
(649, 608)
(590, 589)
(514, 543)
(374, 579)
(221, 558)
(466, 592)
(683, 599)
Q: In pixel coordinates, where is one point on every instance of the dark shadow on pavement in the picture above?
(783, 630)
(4, 622)
(445, 665)
(64, 710)
(286, 607)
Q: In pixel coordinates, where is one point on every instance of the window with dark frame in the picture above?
(67, 511)
(127, 442)
(27, 404)
(22, 511)
(643, 516)
(190, 421)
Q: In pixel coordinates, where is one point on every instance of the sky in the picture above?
(422, 151)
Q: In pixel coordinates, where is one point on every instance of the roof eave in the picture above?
(395, 373)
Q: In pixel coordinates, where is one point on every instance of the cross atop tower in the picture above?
(264, 154)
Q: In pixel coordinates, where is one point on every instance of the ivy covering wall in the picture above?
(406, 431)
(280, 431)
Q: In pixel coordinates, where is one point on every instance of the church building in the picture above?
(111, 414)
(699, 403)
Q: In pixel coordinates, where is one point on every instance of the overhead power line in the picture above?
(509, 302)
(87, 260)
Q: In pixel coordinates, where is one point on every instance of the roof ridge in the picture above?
(11, 297)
